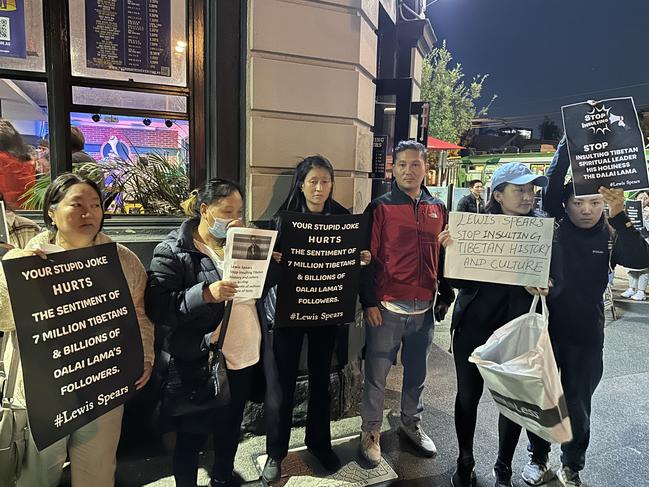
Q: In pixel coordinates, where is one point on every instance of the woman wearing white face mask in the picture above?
(186, 300)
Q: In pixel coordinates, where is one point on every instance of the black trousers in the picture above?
(226, 434)
(581, 371)
(469, 391)
(287, 344)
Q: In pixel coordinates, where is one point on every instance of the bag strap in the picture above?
(10, 385)
(544, 306)
(535, 303)
(224, 325)
(544, 309)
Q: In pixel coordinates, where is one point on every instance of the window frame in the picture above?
(59, 80)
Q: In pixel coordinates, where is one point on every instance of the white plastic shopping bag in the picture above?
(518, 367)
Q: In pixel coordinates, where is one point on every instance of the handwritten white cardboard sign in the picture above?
(500, 248)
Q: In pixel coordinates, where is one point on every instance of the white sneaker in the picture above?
(371, 447)
(537, 472)
(419, 439)
(639, 296)
(628, 293)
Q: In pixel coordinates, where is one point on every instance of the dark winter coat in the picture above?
(469, 204)
(174, 302)
(581, 262)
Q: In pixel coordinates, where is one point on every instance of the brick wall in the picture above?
(154, 138)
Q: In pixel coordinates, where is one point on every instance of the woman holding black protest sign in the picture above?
(311, 192)
(73, 215)
(480, 309)
(187, 298)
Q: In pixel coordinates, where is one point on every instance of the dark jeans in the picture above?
(581, 370)
(226, 434)
(287, 343)
(469, 392)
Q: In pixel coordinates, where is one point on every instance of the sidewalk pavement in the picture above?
(618, 454)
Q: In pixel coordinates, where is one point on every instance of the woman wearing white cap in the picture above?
(480, 309)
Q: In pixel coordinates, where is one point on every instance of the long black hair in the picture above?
(295, 200)
(496, 208)
(12, 142)
(211, 191)
(57, 190)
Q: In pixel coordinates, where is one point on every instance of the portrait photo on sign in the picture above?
(251, 247)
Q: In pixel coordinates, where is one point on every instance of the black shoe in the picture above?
(464, 477)
(272, 470)
(224, 483)
(503, 474)
(327, 458)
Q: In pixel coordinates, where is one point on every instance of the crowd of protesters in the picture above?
(403, 292)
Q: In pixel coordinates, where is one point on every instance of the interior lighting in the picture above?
(180, 46)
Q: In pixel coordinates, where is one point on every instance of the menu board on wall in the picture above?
(129, 35)
(12, 29)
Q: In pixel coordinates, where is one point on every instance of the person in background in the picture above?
(17, 169)
(186, 299)
(42, 161)
(21, 230)
(473, 202)
(587, 244)
(401, 289)
(254, 251)
(311, 192)
(482, 308)
(77, 144)
(73, 215)
(639, 278)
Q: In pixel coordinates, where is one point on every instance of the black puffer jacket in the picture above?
(174, 302)
(469, 204)
(581, 262)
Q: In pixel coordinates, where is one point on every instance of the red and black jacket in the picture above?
(407, 259)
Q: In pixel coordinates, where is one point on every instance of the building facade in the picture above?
(228, 88)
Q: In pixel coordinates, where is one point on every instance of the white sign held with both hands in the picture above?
(247, 256)
(500, 248)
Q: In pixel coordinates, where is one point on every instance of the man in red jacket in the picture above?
(399, 295)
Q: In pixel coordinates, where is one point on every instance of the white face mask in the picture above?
(219, 228)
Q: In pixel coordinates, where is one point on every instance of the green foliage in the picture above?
(549, 130)
(152, 181)
(34, 196)
(452, 102)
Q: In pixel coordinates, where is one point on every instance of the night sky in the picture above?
(541, 54)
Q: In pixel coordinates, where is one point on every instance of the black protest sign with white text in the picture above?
(605, 144)
(320, 268)
(79, 337)
(633, 210)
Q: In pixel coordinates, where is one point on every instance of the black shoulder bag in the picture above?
(194, 387)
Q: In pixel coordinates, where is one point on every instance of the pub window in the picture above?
(136, 40)
(126, 82)
(24, 145)
(21, 35)
(141, 162)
